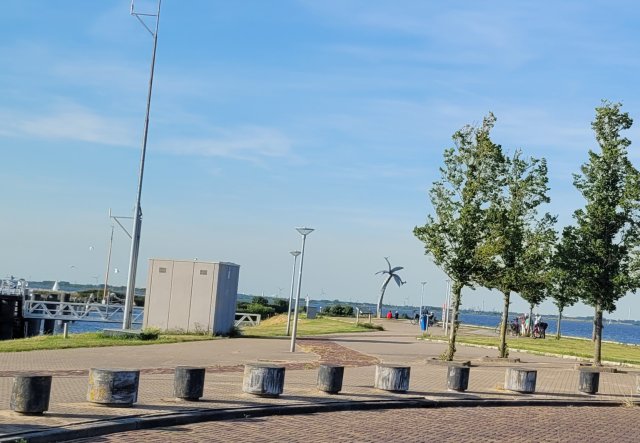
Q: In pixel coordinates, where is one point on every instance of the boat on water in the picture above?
(12, 286)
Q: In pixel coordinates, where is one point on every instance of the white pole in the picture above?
(106, 274)
(421, 303)
(446, 310)
(293, 279)
(304, 232)
(449, 310)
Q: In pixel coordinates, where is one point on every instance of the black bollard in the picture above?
(589, 380)
(30, 393)
(188, 383)
(458, 377)
(263, 379)
(113, 387)
(520, 380)
(392, 377)
(330, 378)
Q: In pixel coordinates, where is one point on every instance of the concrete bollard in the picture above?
(188, 383)
(589, 380)
(520, 380)
(392, 377)
(330, 378)
(263, 379)
(30, 393)
(113, 387)
(457, 377)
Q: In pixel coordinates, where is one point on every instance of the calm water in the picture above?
(620, 332)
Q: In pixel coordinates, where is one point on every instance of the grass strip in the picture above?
(91, 340)
(277, 326)
(615, 352)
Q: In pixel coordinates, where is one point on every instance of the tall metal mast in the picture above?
(137, 218)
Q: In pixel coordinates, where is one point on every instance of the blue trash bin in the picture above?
(424, 322)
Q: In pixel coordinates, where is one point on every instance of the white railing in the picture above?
(55, 310)
(246, 319)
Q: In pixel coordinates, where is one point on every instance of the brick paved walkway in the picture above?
(557, 378)
(504, 424)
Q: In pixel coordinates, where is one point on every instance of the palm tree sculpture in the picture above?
(391, 274)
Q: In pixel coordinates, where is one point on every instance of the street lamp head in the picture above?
(423, 282)
(304, 231)
(295, 253)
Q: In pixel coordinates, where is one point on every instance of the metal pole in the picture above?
(446, 310)
(295, 312)
(106, 274)
(421, 303)
(137, 219)
(293, 279)
(449, 311)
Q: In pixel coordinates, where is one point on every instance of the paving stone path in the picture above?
(504, 424)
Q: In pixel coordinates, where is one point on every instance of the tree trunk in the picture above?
(597, 351)
(382, 289)
(530, 332)
(457, 289)
(502, 348)
(558, 327)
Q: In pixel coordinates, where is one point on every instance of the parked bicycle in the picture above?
(540, 330)
(512, 328)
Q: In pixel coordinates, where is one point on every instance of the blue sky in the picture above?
(270, 115)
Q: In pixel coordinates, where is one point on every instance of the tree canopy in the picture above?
(605, 239)
(457, 233)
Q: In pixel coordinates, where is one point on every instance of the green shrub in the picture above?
(149, 334)
(260, 301)
(372, 326)
(338, 310)
(264, 311)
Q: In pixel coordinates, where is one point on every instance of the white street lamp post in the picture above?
(445, 320)
(293, 280)
(304, 232)
(421, 303)
(105, 295)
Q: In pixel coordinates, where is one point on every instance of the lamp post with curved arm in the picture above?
(293, 280)
(304, 232)
(422, 303)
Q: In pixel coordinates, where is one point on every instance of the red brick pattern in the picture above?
(504, 424)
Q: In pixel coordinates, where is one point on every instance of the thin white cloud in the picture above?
(67, 122)
(253, 143)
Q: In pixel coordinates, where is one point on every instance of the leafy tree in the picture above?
(258, 300)
(522, 239)
(456, 235)
(258, 308)
(537, 270)
(606, 237)
(562, 282)
(391, 273)
(339, 310)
